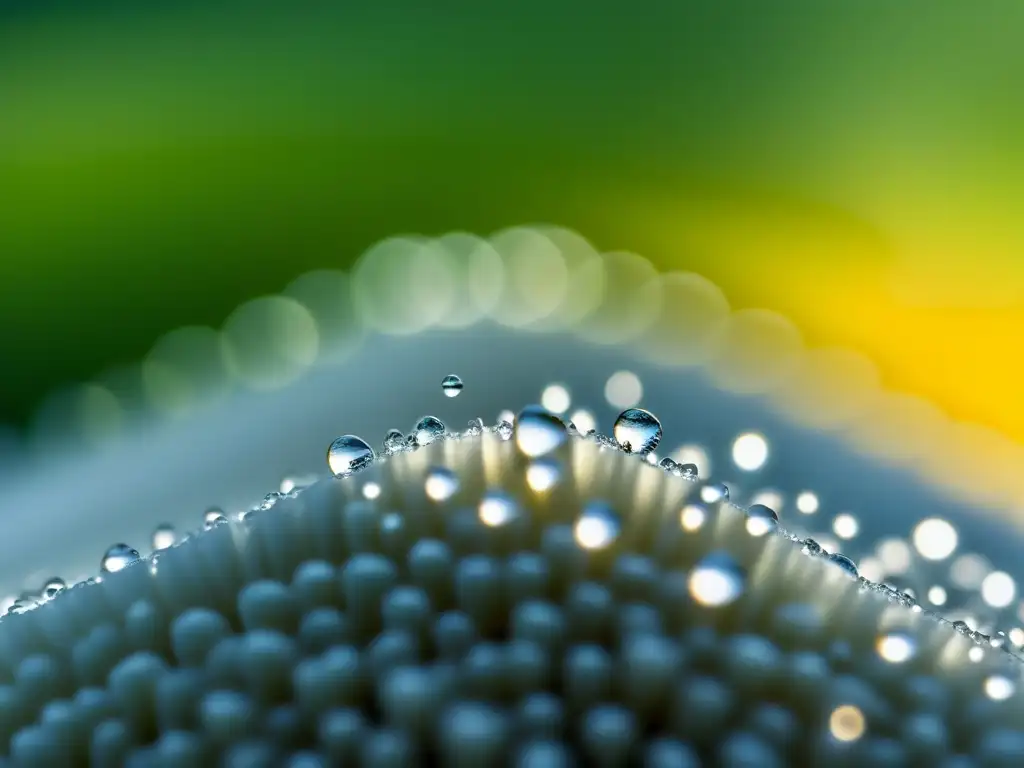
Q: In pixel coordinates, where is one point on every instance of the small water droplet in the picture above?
(348, 454)
(717, 580)
(164, 536)
(213, 517)
(118, 557)
(688, 470)
(427, 430)
(669, 465)
(475, 427)
(637, 431)
(896, 647)
(394, 441)
(714, 492)
(598, 526)
(441, 484)
(543, 474)
(843, 562)
(270, 500)
(497, 509)
(504, 429)
(538, 432)
(761, 519)
(813, 548)
(451, 385)
(53, 587)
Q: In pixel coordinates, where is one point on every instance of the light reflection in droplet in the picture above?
(696, 455)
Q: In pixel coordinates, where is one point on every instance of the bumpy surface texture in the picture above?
(464, 604)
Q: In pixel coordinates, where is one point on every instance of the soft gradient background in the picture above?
(858, 166)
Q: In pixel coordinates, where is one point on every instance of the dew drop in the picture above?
(717, 580)
(812, 548)
(688, 470)
(761, 520)
(427, 430)
(538, 432)
(669, 465)
(441, 484)
(597, 527)
(543, 474)
(394, 441)
(213, 517)
(843, 562)
(348, 454)
(53, 587)
(451, 385)
(714, 492)
(896, 647)
(504, 429)
(118, 557)
(637, 431)
(475, 427)
(164, 536)
(497, 509)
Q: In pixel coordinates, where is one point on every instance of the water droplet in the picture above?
(538, 432)
(118, 557)
(717, 580)
(271, 499)
(998, 640)
(394, 441)
(896, 647)
(688, 470)
(504, 429)
(213, 517)
(475, 427)
(543, 474)
(813, 548)
(427, 430)
(53, 587)
(164, 536)
(761, 519)
(451, 385)
(348, 454)
(714, 492)
(843, 562)
(637, 431)
(597, 527)
(668, 464)
(497, 509)
(441, 484)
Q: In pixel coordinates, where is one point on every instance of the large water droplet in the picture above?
(118, 557)
(394, 441)
(761, 519)
(164, 536)
(427, 430)
(348, 454)
(597, 527)
(717, 580)
(213, 517)
(451, 385)
(497, 509)
(538, 432)
(53, 587)
(441, 484)
(637, 431)
(843, 562)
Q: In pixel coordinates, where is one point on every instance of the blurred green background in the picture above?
(858, 166)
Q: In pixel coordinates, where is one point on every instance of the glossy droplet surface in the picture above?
(348, 454)
(538, 432)
(637, 431)
(164, 536)
(118, 557)
(427, 430)
(714, 492)
(441, 484)
(843, 562)
(53, 587)
(598, 526)
(717, 580)
(451, 385)
(761, 520)
(394, 441)
(213, 517)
